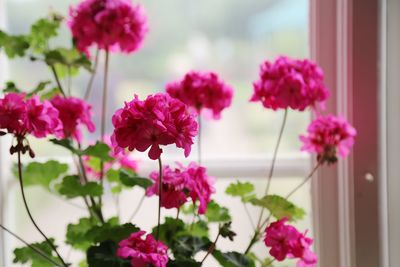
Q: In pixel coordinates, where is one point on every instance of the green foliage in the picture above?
(77, 233)
(111, 232)
(243, 190)
(71, 188)
(226, 232)
(198, 229)
(169, 229)
(99, 150)
(41, 32)
(11, 88)
(14, 46)
(183, 263)
(42, 174)
(104, 255)
(188, 246)
(66, 143)
(67, 61)
(27, 255)
(132, 180)
(233, 259)
(216, 213)
(280, 207)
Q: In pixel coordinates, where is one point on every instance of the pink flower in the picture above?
(327, 135)
(183, 182)
(200, 185)
(157, 120)
(143, 252)
(173, 185)
(21, 116)
(73, 112)
(116, 25)
(288, 83)
(202, 91)
(286, 241)
(121, 159)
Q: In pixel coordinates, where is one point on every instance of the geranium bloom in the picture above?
(143, 252)
(73, 112)
(173, 185)
(202, 91)
(328, 135)
(286, 241)
(157, 120)
(109, 24)
(288, 83)
(21, 116)
(180, 183)
(121, 159)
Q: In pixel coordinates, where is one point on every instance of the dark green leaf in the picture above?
(169, 230)
(43, 174)
(131, 180)
(66, 143)
(216, 213)
(280, 207)
(99, 150)
(71, 188)
(39, 88)
(104, 255)
(233, 259)
(187, 246)
(111, 232)
(11, 88)
(14, 45)
(27, 255)
(199, 229)
(183, 263)
(225, 231)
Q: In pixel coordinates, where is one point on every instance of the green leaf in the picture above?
(76, 233)
(130, 180)
(104, 255)
(71, 188)
(216, 213)
(169, 229)
(183, 263)
(243, 190)
(14, 45)
(41, 32)
(188, 246)
(27, 255)
(280, 207)
(39, 88)
(42, 174)
(226, 232)
(11, 88)
(66, 143)
(110, 232)
(199, 229)
(99, 150)
(50, 94)
(233, 259)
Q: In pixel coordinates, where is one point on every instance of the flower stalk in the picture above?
(160, 176)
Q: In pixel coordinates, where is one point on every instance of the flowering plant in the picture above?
(173, 117)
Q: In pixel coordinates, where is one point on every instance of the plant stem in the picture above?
(249, 216)
(178, 211)
(104, 116)
(53, 70)
(21, 183)
(137, 208)
(69, 82)
(270, 175)
(159, 196)
(199, 140)
(212, 247)
(91, 80)
(38, 251)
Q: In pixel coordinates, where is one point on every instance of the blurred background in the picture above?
(230, 37)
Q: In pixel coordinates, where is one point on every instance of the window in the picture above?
(232, 37)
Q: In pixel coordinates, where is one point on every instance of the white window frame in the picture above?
(345, 197)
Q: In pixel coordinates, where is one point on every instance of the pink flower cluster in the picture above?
(143, 252)
(328, 135)
(110, 24)
(286, 241)
(21, 116)
(202, 91)
(183, 182)
(73, 112)
(121, 159)
(288, 83)
(157, 120)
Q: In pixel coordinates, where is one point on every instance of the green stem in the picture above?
(53, 70)
(91, 80)
(137, 208)
(38, 251)
(159, 196)
(21, 183)
(212, 247)
(199, 140)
